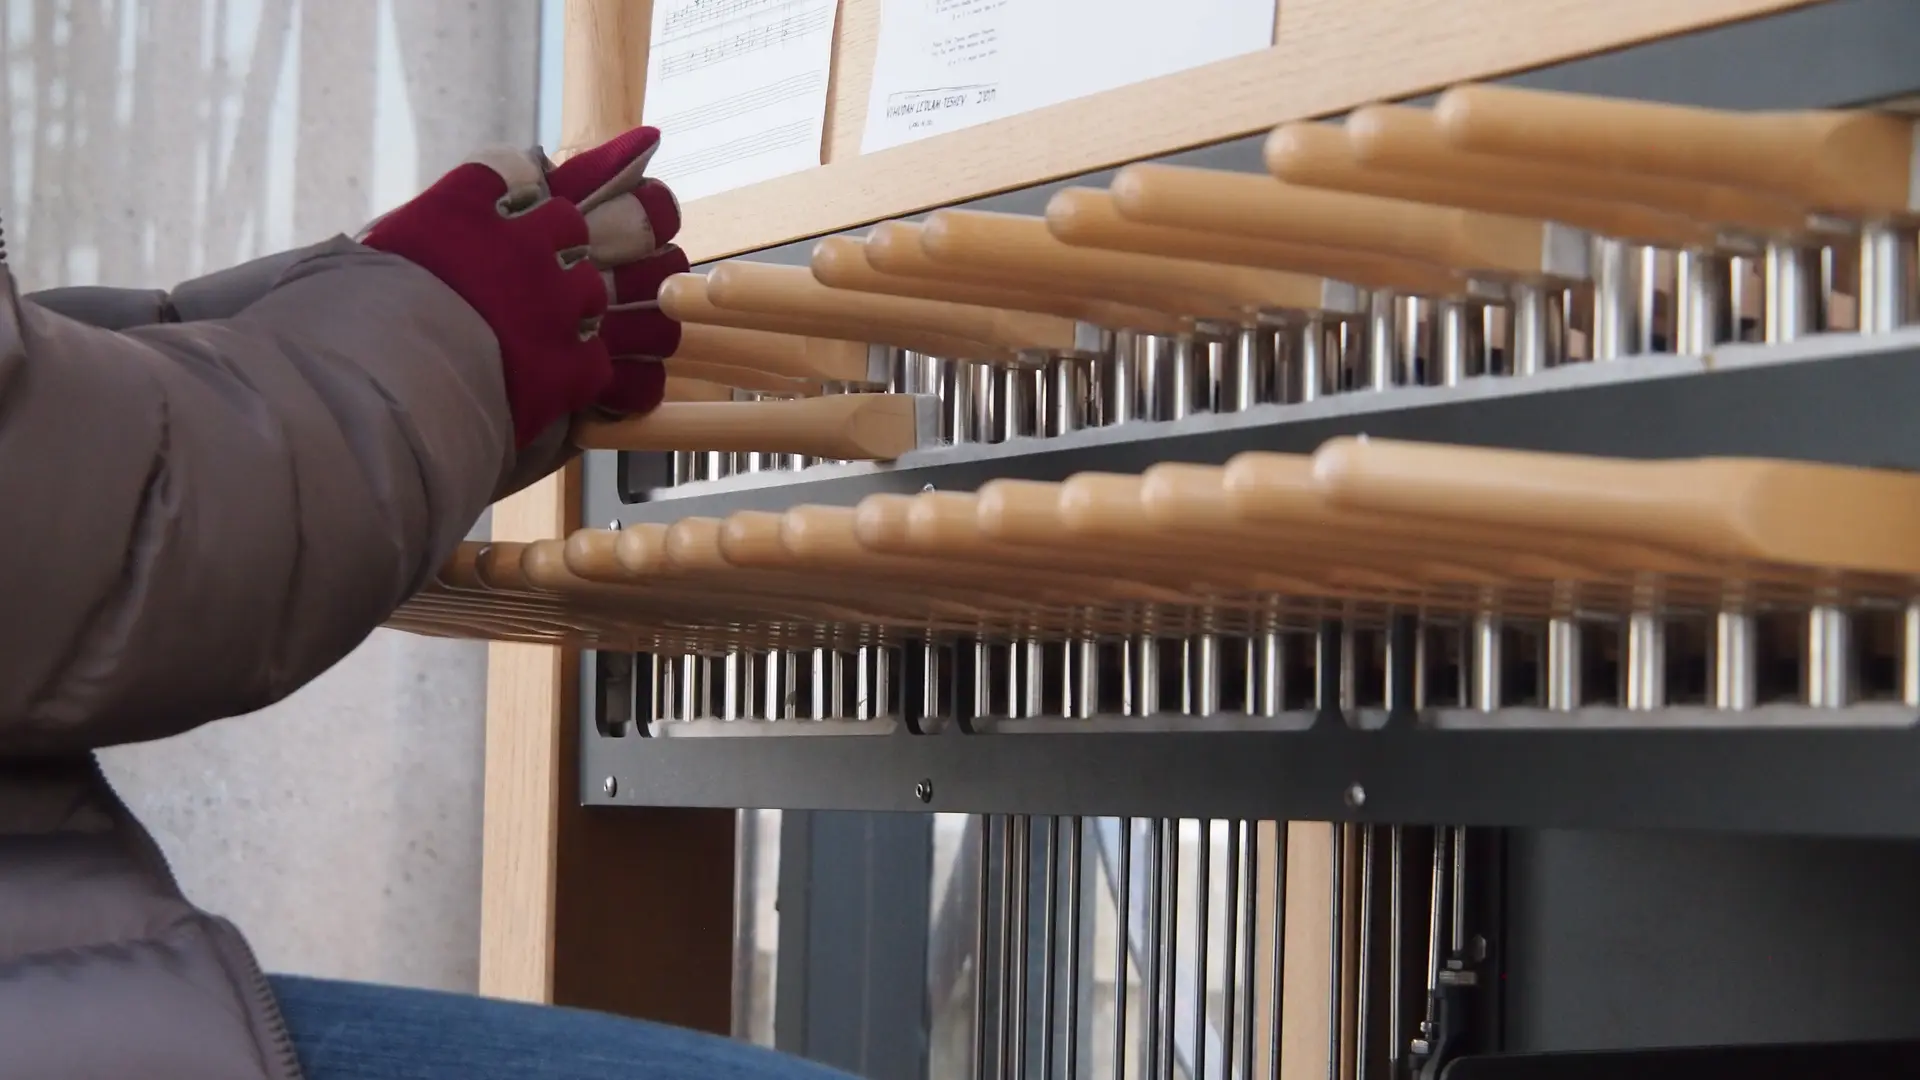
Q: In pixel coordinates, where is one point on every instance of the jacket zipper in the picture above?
(263, 999)
(282, 1056)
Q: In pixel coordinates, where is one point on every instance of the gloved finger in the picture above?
(633, 225)
(592, 177)
(522, 184)
(636, 386)
(640, 331)
(639, 282)
(590, 297)
(561, 227)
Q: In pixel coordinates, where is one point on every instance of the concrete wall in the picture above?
(145, 141)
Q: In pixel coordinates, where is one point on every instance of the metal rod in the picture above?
(1887, 277)
(1202, 697)
(1563, 663)
(1734, 643)
(1702, 318)
(1203, 909)
(1070, 1067)
(1910, 655)
(1791, 303)
(1146, 668)
(1337, 880)
(1436, 909)
(1450, 342)
(1166, 936)
(1276, 1016)
(1068, 391)
(1310, 358)
(1366, 953)
(1487, 662)
(1122, 948)
(1049, 938)
(730, 685)
(1383, 340)
(1458, 907)
(693, 691)
(983, 1045)
(1242, 386)
(1271, 664)
(1122, 391)
(1615, 294)
(1646, 308)
(1396, 946)
(1829, 657)
(1646, 664)
(1013, 948)
(1529, 334)
(1230, 1023)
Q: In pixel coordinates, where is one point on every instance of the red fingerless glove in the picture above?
(633, 251)
(564, 273)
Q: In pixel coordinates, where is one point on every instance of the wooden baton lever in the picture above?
(682, 388)
(1020, 245)
(742, 378)
(897, 247)
(788, 356)
(1241, 204)
(684, 297)
(793, 290)
(1750, 510)
(842, 262)
(1403, 139)
(869, 427)
(1087, 217)
(1321, 155)
(1854, 163)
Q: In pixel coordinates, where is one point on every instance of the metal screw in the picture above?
(923, 791)
(614, 525)
(1356, 796)
(611, 786)
(926, 487)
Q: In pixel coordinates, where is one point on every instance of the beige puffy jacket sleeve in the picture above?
(198, 517)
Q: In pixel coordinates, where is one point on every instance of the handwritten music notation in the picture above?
(688, 18)
(738, 89)
(750, 40)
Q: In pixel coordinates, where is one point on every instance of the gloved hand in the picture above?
(558, 262)
(629, 244)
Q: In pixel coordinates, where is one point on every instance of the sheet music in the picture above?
(943, 65)
(738, 89)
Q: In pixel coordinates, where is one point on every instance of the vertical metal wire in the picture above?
(1203, 910)
(1459, 901)
(1250, 959)
(1050, 943)
(1014, 947)
(1070, 1067)
(1156, 932)
(1229, 1024)
(1276, 1023)
(1122, 960)
(1396, 944)
(1338, 882)
(983, 1047)
(1366, 952)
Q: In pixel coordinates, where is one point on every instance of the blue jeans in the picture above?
(356, 1031)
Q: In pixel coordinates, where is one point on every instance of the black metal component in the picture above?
(1796, 781)
(909, 688)
(1796, 1061)
(1823, 399)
